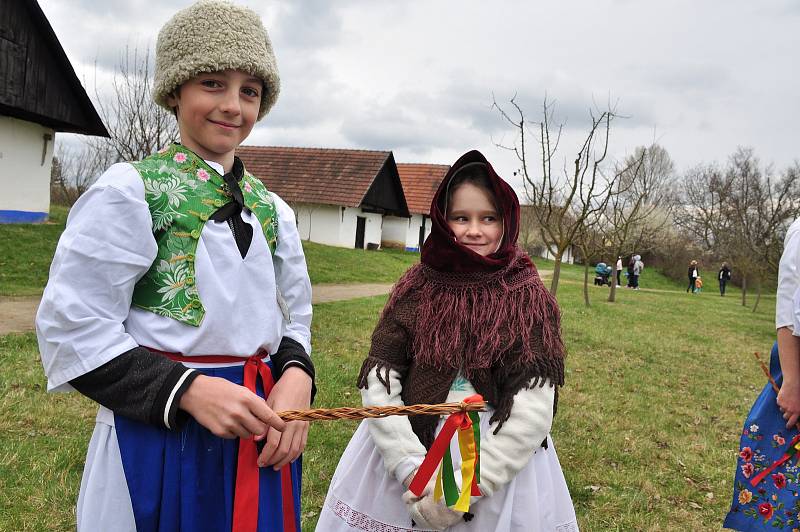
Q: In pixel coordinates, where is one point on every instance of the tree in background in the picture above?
(642, 206)
(136, 125)
(75, 169)
(741, 213)
(562, 201)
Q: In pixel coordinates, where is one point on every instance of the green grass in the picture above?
(327, 264)
(658, 385)
(26, 251)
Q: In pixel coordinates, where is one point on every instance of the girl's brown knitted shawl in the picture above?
(488, 317)
(501, 330)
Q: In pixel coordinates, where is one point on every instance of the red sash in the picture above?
(245, 499)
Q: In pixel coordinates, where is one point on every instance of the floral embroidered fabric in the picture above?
(182, 192)
(773, 503)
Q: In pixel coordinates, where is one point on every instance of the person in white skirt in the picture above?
(474, 316)
(179, 300)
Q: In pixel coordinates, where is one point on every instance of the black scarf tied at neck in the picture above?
(231, 211)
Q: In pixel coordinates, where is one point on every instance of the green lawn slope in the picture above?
(26, 251)
(657, 387)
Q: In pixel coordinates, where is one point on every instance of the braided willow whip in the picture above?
(327, 414)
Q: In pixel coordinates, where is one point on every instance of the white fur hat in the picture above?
(214, 35)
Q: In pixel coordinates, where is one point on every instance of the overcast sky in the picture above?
(418, 77)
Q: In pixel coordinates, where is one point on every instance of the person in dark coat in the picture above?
(723, 276)
(694, 273)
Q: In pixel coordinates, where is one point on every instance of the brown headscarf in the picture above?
(489, 318)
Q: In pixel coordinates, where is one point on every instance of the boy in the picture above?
(179, 296)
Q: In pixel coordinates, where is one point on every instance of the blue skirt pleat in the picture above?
(184, 480)
(774, 503)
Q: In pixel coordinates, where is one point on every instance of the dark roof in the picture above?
(350, 178)
(420, 182)
(37, 81)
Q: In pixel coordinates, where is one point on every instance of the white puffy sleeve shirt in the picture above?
(788, 278)
(85, 318)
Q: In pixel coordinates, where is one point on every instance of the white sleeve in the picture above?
(106, 248)
(788, 277)
(291, 276)
(506, 453)
(393, 436)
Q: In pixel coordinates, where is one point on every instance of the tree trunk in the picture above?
(612, 293)
(586, 281)
(744, 290)
(758, 293)
(556, 274)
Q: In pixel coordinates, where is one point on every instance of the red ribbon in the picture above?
(245, 498)
(780, 461)
(456, 420)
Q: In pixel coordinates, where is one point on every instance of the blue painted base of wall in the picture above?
(412, 249)
(22, 217)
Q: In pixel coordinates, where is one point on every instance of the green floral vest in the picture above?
(182, 192)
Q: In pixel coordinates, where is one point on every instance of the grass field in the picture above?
(657, 388)
(26, 251)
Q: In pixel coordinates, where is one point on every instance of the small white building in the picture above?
(530, 238)
(39, 96)
(340, 197)
(420, 182)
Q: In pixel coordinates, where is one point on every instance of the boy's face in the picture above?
(474, 219)
(216, 112)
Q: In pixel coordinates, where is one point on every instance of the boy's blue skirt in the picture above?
(773, 502)
(184, 480)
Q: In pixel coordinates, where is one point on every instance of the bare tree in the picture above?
(562, 203)
(591, 243)
(643, 204)
(76, 168)
(136, 125)
(742, 212)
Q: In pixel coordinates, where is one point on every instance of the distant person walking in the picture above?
(724, 276)
(638, 266)
(694, 273)
(619, 271)
(629, 271)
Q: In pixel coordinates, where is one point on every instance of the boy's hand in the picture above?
(789, 402)
(291, 392)
(227, 409)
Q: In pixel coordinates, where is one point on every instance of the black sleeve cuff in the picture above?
(165, 411)
(291, 354)
(140, 385)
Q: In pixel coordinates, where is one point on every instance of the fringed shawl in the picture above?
(490, 318)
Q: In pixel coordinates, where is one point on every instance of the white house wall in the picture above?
(372, 227)
(394, 231)
(405, 231)
(318, 223)
(24, 179)
(412, 236)
(335, 226)
(566, 258)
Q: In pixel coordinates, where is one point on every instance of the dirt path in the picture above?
(17, 312)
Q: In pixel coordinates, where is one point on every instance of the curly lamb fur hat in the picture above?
(214, 35)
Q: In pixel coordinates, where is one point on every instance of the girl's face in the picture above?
(216, 112)
(474, 219)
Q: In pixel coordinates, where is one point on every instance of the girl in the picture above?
(178, 298)
(765, 486)
(473, 316)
